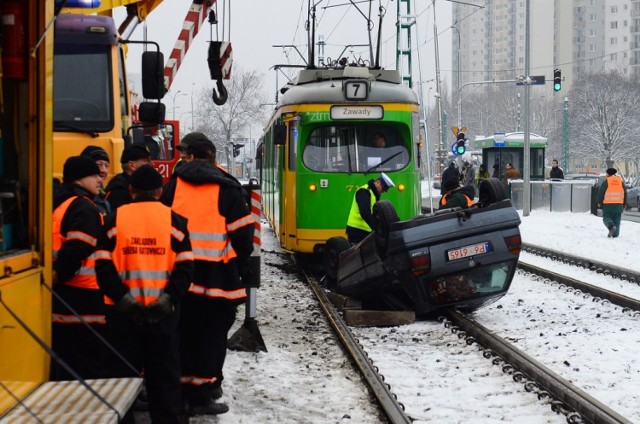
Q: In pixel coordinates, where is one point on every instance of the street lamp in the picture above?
(173, 101)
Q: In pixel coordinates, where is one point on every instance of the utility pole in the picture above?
(442, 155)
(526, 166)
(565, 136)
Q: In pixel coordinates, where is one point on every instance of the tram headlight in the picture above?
(401, 187)
(313, 187)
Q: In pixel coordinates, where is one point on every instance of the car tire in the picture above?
(332, 249)
(490, 191)
(384, 214)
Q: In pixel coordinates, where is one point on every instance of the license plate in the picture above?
(471, 250)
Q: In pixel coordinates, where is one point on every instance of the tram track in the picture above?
(593, 265)
(562, 396)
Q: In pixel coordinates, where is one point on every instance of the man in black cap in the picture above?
(183, 146)
(145, 265)
(77, 224)
(101, 158)
(221, 229)
(360, 219)
(612, 196)
(451, 171)
(133, 157)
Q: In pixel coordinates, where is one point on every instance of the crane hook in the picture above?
(222, 98)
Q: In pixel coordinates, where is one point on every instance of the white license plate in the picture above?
(471, 250)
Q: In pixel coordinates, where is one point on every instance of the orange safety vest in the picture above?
(615, 190)
(445, 201)
(142, 254)
(86, 275)
(207, 228)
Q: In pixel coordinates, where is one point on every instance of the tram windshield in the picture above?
(357, 147)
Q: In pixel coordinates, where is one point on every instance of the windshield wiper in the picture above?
(60, 124)
(373, 168)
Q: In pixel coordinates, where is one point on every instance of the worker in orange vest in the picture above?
(221, 229)
(145, 266)
(77, 301)
(612, 196)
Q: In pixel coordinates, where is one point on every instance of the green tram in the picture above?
(318, 149)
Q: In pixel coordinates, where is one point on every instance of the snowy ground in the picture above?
(301, 379)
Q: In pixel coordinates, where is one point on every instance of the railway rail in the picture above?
(562, 396)
(599, 267)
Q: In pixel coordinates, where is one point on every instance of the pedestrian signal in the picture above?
(460, 145)
(236, 149)
(557, 80)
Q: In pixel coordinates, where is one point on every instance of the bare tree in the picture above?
(604, 117)
(242, 108)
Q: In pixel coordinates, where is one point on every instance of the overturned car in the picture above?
(459, 257)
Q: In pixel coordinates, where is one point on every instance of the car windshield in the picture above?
(477, 282)
(355, 148)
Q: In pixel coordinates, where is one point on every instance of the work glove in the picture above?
(160, 308)
(247, 273)
(132, 309)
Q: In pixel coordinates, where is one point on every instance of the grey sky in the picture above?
(257, 25)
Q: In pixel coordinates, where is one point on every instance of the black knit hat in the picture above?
(145, 178)
(451, 183)
(78, 167)
(612, 171)
(96, 153)
(201, 149)
(135, 152)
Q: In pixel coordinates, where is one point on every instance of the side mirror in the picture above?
(280, 134)
(152, 75)
(151, 113)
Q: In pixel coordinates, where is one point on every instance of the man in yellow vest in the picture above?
(145, 265)
(360, 220)
(77, 223)
(612, 196)
(221, 229)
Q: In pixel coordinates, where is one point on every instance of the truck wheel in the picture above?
(490, 191)
(384, 214)
(332, 249)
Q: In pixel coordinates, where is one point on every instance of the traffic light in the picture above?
(460, 147)
(557, 79)
(236, 149)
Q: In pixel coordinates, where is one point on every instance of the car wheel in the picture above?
(384, 214)
(490, 191)
(332, 249)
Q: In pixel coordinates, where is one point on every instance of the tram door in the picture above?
(289, 222)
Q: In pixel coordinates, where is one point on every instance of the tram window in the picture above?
(352, 148)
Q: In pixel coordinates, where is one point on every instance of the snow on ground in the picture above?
(301, 379)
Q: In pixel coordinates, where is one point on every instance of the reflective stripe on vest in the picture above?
(445, 201)
(142, 254)
(207, 228)
(85, 277)
(355, 220)
(615, 190)
(197, 381)
(215, 292)
(73, 319)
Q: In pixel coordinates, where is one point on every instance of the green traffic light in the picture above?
(556, 86)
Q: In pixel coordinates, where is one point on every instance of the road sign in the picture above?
(535, 80)
(456, 130)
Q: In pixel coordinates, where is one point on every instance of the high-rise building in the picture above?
(576, 36)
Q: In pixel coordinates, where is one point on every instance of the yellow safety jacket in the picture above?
(355, 220)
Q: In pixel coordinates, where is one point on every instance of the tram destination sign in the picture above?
(357, 112)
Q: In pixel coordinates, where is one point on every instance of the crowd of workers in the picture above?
(156, 274)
